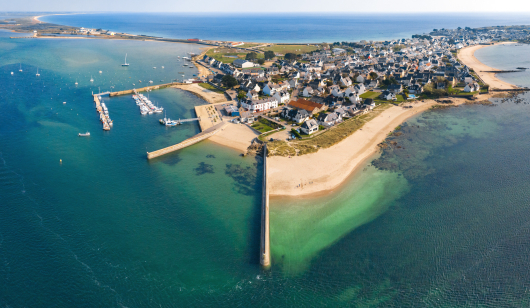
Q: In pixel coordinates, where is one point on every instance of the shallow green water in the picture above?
(441, 221)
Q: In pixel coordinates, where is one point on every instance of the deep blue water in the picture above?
(281, 28)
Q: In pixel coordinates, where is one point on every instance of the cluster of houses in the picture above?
(324, 86)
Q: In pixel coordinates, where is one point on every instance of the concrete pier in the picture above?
(186, 143)
(265, 250)
(160, 86)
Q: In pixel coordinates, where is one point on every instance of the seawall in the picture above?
(190, 141)
(265, 251)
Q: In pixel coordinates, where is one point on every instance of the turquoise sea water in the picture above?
(440, 221)
(285, 28)
(508, 57)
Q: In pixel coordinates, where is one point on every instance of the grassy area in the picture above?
(370, 94)
(262, 128)
(263, 125)
(326, 139)
(210, 87)
(248, 45)
(283, 49)
(220, 54)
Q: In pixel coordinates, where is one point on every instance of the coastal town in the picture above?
(308, 93)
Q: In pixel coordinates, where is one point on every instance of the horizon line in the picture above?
(277, 12)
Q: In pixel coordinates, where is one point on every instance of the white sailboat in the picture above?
(20, 70)
(125, 64)
(76, 82)
(37, 72)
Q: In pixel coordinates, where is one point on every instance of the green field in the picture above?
(261, 127)
(221, 54)
(370, 94)
(283, 49)
(210, 87)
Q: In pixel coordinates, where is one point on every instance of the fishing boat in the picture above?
(37, 72)
(84, 135)
(125, 64)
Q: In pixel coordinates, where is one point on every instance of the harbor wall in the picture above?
(160, 86)
(265, 252)
(186, 143)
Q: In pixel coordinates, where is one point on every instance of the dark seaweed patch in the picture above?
(203, 168)
(245, 178)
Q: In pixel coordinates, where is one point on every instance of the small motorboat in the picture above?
(84, 135)
(12, 73)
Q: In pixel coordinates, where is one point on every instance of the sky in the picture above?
(289, 6)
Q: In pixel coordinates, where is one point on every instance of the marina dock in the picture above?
(186, 143)
(103, 113)
(265, 245)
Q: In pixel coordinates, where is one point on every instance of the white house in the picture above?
(360, 88)
(259, 105)
(271, 88)
(240, 63)
(345, 81)
(308, 92)
(282, 97)
(359, 78)
(472, 87)
(336, 91)
(309, 127)
(252, 95)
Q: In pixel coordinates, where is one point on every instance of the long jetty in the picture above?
(148, 88)
(265, 249)
(199, 137)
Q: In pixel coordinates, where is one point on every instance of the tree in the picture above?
(229, 81)
(290, 56)
(373, 75)
(241, 95)
(251, 56)
(269, 54)
(261, 61)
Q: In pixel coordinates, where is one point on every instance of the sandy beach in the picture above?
(209, 96)
(467, 56)
(329, 168)
(235, 136)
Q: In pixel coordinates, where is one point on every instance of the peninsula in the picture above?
(324, 108)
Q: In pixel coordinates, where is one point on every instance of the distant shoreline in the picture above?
(467, 56)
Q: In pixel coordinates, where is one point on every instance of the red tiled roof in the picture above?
(305, 104)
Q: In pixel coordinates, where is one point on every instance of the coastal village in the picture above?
(308, 93)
